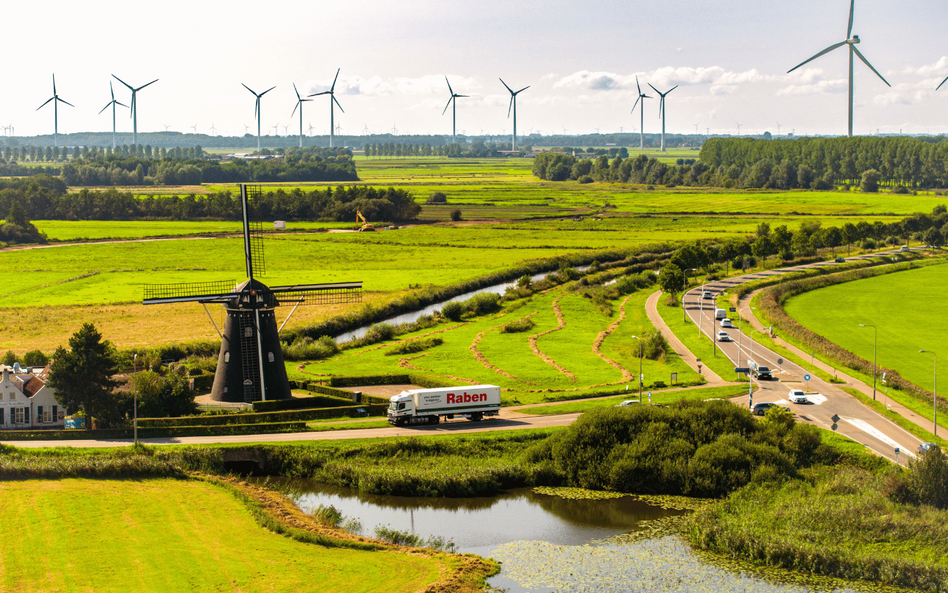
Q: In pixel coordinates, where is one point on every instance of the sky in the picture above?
(580, 59)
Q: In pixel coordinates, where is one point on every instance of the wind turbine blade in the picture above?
(249, 89)
(131, 112)
(318, 94)
(333, 87)
(294, 109)
(106, 107)
(852, 13)
(144, 85)
(122, 104)
(448, 105)
(521, 90)
(942, 83)
(825, 51)
(866, 62)
(123, 82)
(505, 84)
(449, 85)
(338, 104)
(655, 89)
(111, 90)
(636, 104)
(44, 104)
(461, 96)
(637, 85)
(256, 107)
(673, 88)
(54, 85)
(268, 90)
(511, 104)
(65, 101)
(297, 93)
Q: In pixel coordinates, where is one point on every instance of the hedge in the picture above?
(261, 418)
(150, 433)
(302, 403)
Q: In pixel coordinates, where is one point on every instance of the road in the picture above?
(856, 420)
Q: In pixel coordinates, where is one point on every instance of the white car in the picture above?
(723, 337)
(707, 295)
(627, 403)
(727, 323)
(797, 396)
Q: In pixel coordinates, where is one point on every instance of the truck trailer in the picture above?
(428, 406)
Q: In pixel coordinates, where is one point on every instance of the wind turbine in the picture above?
(134, 106)
(256, 109)
(778, 128)
(642, 97)
(213, 129)
(661, 109)
(454, 111)
(299, 105)
(851, 41)
(513, 106)
(55, 99)
(739, 128)
(332, 99)
(194, 129)
(112, 104)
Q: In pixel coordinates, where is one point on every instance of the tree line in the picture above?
(46, 198)
(477, 149)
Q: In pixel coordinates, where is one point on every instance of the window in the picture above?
(16, 415)
(55, 413)
(3, 412)
(248, 332)
(11, 396)
(227, 356)
(39, 413)
(26, 415)
(46, 415)
(270, 356)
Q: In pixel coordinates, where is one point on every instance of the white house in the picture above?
(26, 401)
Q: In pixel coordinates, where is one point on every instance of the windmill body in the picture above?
(299, 105)
(332, 99)
(641, 99)
(661, 109)
(513, 107)
(851, 41)
(56, 100)
(453, 103)
(134, 108)
(250, 362)
(112, 104)
(256, 108)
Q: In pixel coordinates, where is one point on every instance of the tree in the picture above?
(934, 238)
(163, 397)
(671, 279)
(82, 375)
(870, 181)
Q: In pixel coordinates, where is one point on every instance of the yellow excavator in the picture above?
(366, 225)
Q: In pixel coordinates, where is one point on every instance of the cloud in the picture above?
(940, 68)
(668, 76)
(823, 86)
(723, 89)
(904, 94)
(377, 86)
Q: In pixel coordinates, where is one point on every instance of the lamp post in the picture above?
(641, 354)
(875, 366)
(684, 282)
(934, 390)
(135, 398)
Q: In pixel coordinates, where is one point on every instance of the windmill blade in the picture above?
(71, 105)
(144, 85)
(268, 90)
(297, 92)
(333, 87)
(448, 105)
(449, 86)
(44, 104)
(673, 88)
(122, 104)
(54, 85)
(318, 94)
(249, 89)
(318, 294)
(521, 90)
(636, 104)
(866, 62)
(461, 96)
(109, 104)
(111, 90)
(637, 85)
(661, 108)
(131, 112)
(505, 84)
(942, 83)
(125, 83)
(656, 90)
(852, 13)
(824, 52)
(337, 103)
(256, 108)
(208, 292)
(512, 96)
(292, 113)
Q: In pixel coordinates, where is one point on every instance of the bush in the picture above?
(456, 215)
(412, 346)
(519, 326)
(453, 310)
(437, 198)
(586, 179)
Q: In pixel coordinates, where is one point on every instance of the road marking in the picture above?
(816, 398)
(873, 431)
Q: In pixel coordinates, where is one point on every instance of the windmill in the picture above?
(213, 129)
(851, 41)
(134, 106)
(739, 128)
(332, 99)
(299, 105)
(454, 111)
(365, 130)
(661, 109)
(642, 97)
(250, 364)
(112, 104)
(513, 106)
(194, 129)
(55, 99)
(256, 109)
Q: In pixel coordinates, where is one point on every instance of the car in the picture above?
(761, 372)
(797, 396)
(840, 260)
(926, 447)
(762, 408)
(905, 249)
(727, 323)
(723, 337)
(627, 403)
(707, 294)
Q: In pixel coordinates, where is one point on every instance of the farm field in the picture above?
(175, 535)
(902, 306)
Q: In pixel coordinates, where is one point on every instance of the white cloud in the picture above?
(940, 68)
(668, 76)
(380, 87)
(823, 86)
(723, 89)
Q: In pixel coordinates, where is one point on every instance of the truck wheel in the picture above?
(476, 417)
(435, 419)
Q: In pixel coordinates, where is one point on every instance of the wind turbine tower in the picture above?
(661, 109)
(134, 106)
(112, 104)
(454, 111)
(299, 105)
(513, 106)
(256, 109)
(851, 41)
(332, 99)
(641, 98)
(55, 99)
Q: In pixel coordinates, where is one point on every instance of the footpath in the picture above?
(651, 309)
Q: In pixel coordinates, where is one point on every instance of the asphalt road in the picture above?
(856, 420)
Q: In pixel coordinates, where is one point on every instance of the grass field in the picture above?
(174, 535)
(902, 306)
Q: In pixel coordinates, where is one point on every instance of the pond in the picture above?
(551, 544)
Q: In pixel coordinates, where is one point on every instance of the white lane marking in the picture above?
(871, 430)
(816, 398)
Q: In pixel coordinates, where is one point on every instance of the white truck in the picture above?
(428, 406)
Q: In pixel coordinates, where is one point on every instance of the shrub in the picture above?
(456, 215)
(900, 189)
(437, 198)
(453, 310)
(586, 179)
(412, 346)
(519, 326)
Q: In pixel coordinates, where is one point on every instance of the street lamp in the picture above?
(935, 390)
(641, 354)
(684, 280)
(875, 367)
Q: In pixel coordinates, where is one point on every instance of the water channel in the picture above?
(550, 544)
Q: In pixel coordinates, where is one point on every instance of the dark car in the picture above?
(761, 408)
(840, 260)
(926, 447)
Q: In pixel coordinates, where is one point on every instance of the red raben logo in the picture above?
(466, 398)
